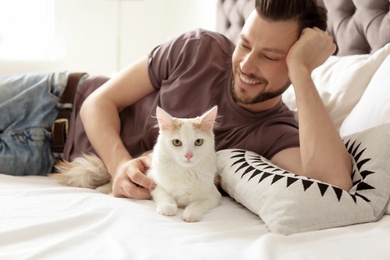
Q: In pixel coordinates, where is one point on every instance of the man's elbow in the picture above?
(86, 107)
(338, 175)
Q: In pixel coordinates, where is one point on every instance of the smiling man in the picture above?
(282, 42)
(259, 62)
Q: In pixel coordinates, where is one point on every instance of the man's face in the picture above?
(259, 60)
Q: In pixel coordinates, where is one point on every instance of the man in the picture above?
(279, 44)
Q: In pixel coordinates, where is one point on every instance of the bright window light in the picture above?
(27, 30)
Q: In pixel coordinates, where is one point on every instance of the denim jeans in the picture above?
(27, 111)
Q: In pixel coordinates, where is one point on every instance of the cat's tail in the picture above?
(87, 171)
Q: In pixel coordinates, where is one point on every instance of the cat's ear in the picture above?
(208, 118)
(164, 119)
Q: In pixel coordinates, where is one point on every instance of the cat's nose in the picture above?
(188, 155)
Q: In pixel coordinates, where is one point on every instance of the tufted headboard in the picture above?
(359, 26)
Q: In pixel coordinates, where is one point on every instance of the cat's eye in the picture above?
(198, 142)
(176, 142)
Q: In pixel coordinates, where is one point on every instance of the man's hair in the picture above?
(307, 12)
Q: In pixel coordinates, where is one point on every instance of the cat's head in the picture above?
(188, 140)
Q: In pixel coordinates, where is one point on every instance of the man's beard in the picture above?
(260, 97)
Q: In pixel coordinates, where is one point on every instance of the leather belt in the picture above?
(60, 126)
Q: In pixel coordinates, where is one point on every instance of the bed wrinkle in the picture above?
(71, 234)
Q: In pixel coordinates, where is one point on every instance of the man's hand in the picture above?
(131, 181)
(312, 49)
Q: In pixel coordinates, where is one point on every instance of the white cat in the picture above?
(183, 167)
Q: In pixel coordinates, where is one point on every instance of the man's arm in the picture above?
(322, 154)
(100, 116)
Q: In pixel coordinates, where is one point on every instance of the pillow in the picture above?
(374, 107)
(288, 203)
(341, 81)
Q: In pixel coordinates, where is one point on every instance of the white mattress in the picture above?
(41, 219)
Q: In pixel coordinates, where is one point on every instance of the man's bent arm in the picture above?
(322, 154)
(100, 116)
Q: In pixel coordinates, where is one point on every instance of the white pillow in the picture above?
(374, 107)
(341, 81)
(288, 203)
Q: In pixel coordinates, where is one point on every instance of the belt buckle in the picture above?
(60, 121)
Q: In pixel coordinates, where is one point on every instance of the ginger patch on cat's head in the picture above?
(204, 122)
(176, 124)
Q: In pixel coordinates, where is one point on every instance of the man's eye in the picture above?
(269, 58)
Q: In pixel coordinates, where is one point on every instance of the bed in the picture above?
(286, 217)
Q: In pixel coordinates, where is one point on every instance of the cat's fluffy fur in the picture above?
(183, 167)
(87, 171)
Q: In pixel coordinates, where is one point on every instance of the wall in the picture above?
(104, 36)
(148, 23)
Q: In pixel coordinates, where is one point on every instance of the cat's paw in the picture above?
(106, 188)
(190, 215)
(167, 209)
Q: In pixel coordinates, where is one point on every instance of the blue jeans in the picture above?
(27, 111)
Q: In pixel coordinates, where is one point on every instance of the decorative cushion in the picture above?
(288, 203)
(374, 107)
(341, 82)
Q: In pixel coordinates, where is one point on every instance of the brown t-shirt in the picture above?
(191, 74)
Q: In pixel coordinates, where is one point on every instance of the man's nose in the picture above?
(250, 65)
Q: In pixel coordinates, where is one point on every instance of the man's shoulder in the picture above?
(210, 37)
(200, 32)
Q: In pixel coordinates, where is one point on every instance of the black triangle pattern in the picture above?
(357, 156)
(248, 169)
(243, 165)
(354, 198)
(269, 170)
(265, 175)
(291, 181)
(322, 187)
(363, 197)
(255, 173)
(365, 173)
(361, 163)
(269, 167)
(338, 192)
(239, 154)
(353, 174)
(261, 164)
(364, 186)
(306, 184)
(239, 161)
(356, 182)
(236, 156)
(359, 184)
(276, 178)
(353, 148)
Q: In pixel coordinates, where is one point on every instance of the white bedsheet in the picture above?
(41, 219)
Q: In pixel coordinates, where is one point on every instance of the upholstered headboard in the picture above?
(359, 26)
